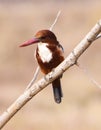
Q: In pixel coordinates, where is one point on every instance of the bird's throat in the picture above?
(44, 52)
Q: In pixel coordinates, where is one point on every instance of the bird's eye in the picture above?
(43, 37)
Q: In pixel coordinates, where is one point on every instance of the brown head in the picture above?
(45, 36)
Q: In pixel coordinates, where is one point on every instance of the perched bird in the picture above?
(49, 54)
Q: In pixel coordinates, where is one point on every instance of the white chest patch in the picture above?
(44, 52)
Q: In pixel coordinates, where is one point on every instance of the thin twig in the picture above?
(55, 21)
(34, 78)
(89, 75)
(99, 36)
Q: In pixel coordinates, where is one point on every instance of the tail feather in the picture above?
(57, 90)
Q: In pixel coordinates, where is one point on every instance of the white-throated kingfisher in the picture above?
(49, 54)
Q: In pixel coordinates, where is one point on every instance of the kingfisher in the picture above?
(49, 54)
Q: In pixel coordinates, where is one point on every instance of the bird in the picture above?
(49, 54)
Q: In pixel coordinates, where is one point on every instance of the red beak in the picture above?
(30, 42)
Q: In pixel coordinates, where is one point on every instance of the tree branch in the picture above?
(43, 82)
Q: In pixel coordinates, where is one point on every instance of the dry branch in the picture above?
(42, 83)
(34, 78)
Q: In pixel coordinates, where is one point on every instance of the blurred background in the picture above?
(81, 105)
